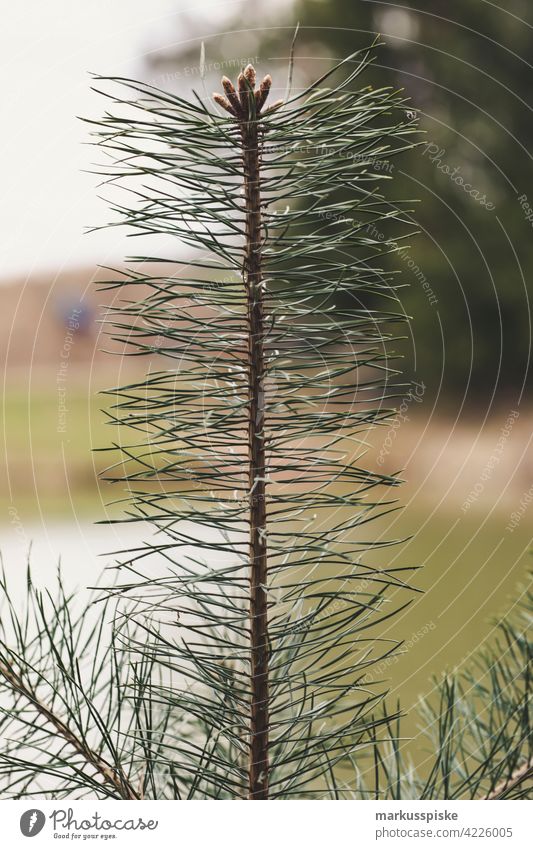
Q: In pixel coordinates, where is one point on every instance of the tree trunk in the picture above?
(259, 645)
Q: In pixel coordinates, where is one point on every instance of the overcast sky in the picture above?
(46, 51)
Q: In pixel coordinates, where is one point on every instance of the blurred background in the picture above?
(463, 437)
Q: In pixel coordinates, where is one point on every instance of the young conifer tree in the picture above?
(252, 428)
(244, 631)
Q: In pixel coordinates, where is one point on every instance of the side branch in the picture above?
(110, 774)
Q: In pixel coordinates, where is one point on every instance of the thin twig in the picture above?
(110, 774)
(520, 775)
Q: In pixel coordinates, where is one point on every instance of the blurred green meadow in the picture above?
(45, 470)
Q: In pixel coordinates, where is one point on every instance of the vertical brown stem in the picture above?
(259, 720)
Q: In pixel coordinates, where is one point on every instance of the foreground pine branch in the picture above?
(65, 720)
(110, 775)
(478, 726)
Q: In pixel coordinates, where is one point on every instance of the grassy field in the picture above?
(49, 463)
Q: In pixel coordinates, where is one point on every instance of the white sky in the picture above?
(47, 48)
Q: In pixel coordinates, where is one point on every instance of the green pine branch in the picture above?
(64, 716)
